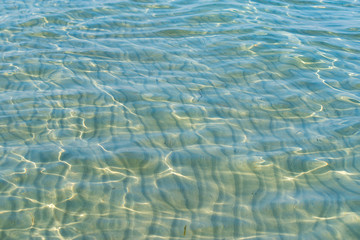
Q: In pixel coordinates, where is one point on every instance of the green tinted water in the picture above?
(179, 119)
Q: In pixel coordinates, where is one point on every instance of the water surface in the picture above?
(138, 119)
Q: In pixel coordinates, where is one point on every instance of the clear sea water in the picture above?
(149, 119)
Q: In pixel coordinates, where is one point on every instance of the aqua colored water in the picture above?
(180, 119)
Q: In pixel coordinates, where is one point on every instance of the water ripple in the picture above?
(176, 119)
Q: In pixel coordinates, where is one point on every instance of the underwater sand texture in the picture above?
(179, 119)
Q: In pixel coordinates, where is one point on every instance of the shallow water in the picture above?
(179, 119)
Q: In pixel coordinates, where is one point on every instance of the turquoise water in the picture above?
(180, 119)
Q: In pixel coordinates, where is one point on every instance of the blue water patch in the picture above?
(147, 119)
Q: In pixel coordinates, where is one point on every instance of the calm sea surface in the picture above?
(180, 119)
